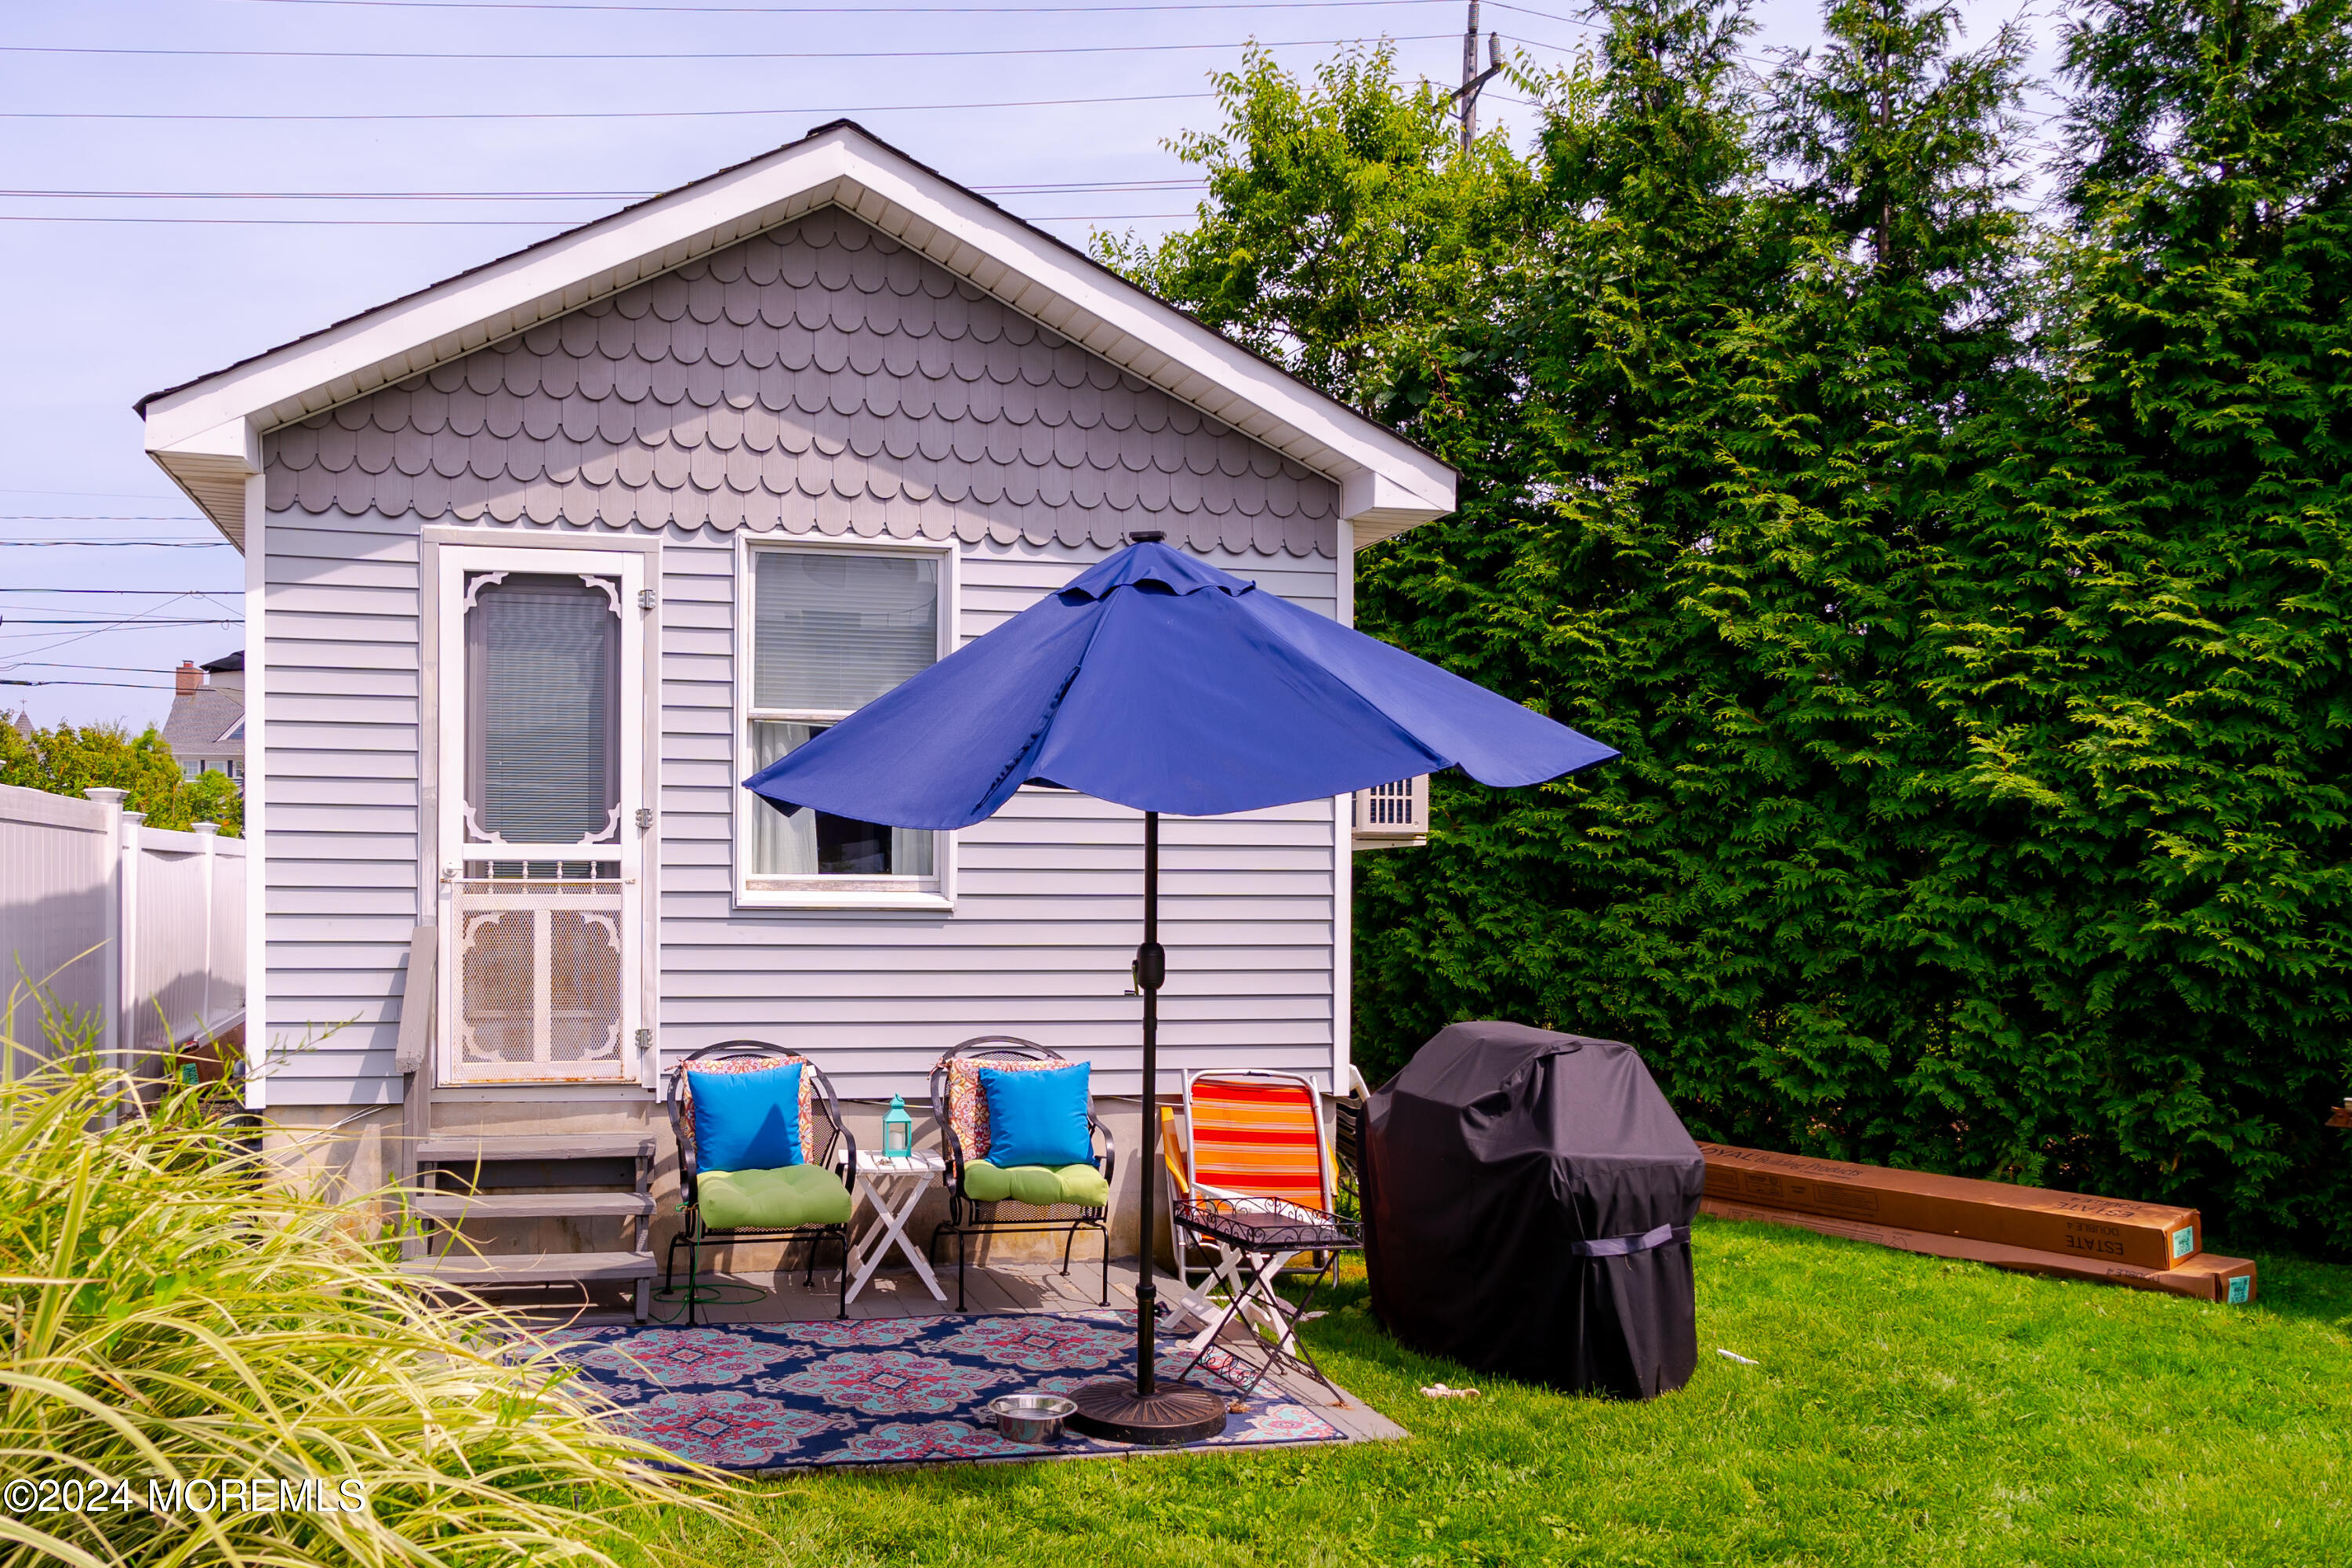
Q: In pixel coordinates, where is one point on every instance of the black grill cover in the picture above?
(1496, 1151)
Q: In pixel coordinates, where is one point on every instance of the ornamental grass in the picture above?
(204, 1366)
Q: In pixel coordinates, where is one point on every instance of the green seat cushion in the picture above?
(1043, 1185)
(774, 1199)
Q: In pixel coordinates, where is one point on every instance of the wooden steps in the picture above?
(463, 1178)
(530, 1205)
(450, 1149)
(475, 1272)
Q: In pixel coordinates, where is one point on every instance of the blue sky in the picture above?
(170, 98)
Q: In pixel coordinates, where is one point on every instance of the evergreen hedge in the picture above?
(1967, 592)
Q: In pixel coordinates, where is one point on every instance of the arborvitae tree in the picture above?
(2143, 642)
(1982, 701)
(1739, 430)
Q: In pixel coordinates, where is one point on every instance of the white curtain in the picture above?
(794, 846)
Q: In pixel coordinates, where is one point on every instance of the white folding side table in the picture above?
(894, 1184)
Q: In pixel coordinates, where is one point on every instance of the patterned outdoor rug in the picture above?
(756, 1396)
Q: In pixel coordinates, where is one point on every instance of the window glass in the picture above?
(816, 843)
(542, 714)
(831, 631)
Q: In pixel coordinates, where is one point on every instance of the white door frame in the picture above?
(627, 571)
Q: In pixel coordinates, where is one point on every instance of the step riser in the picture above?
(458, 1206)
(471, 1271)
(445, 1149)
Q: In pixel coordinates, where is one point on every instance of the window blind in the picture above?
(542, 712)
(831, 631)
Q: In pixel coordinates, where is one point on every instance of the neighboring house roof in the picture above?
(206, 434)
(226, 664)
(207, 724)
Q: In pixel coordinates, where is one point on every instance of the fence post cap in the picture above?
(206, 828)
(105, 794)
(134, 818)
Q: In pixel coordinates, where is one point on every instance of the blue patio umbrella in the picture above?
(1159, 682)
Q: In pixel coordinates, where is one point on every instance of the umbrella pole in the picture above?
(1147, 1411)
(1150, 973)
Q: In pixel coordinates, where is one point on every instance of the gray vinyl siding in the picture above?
(1048, 894)
(340, 608)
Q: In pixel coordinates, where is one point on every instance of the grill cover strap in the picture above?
(1622, 1245)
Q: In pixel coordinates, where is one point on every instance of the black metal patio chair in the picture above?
(794, 1203)
(1004, 1203)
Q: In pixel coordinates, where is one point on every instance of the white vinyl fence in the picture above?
(141, 929)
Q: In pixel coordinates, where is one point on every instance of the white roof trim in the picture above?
(207, 432)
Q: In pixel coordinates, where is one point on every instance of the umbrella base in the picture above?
(1171, 1416)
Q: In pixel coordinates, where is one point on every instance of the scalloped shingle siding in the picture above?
(820, 375)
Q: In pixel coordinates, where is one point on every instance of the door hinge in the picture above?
(644, 1040)
(645, 818)
(645, 600)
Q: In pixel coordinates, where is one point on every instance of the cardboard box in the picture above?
(2106, 1230)
(2202, 1278)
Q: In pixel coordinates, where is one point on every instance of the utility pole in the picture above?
(1473, 78)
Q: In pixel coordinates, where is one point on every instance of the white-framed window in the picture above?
(826, 626)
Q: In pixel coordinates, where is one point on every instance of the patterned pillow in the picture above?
(758, 1064)
(968, 1107)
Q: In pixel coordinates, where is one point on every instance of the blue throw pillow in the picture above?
(747, 1120)
(1037, 1118)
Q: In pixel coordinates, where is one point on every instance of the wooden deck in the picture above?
(1000, 1287)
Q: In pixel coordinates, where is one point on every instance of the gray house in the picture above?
(544, 558)
(206, 728)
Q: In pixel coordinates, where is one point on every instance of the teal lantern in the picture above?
(898, 1127)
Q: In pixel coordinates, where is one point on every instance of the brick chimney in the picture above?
(187, 678)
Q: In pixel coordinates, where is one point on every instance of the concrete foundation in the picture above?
(352, 1157)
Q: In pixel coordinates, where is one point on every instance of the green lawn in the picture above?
(1905, 1410)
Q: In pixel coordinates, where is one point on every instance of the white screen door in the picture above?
(542, 748)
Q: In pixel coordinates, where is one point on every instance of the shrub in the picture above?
(71, 759)
(176, 1314)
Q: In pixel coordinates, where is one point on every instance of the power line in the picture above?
(1599, 31)
(1138, 187)
(314, 222)
(121, 685)
(120, 621)
(108, 668)
(100, 494)
(609, 114)
(468, 222)
(793, 12)
(503, 56)
(335, 196)
(164, 593)
(150, 617)
(116, 543)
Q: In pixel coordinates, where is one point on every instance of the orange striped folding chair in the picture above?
(1257, 1135)
(1250, 1135)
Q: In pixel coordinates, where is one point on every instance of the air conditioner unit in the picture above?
(1392, 816)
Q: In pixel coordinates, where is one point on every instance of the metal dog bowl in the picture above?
(1031, 1417)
